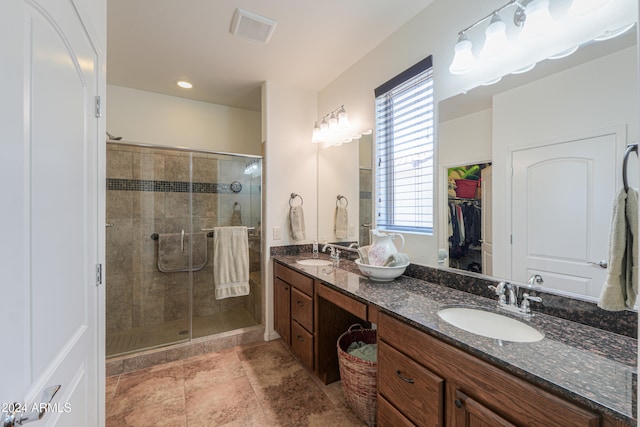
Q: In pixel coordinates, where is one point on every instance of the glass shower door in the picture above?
(148, 196)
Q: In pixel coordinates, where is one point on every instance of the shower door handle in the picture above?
(182, 241)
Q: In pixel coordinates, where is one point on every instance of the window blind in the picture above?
(404, 151)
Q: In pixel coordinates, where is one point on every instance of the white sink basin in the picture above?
(490, 324)
(313, 261)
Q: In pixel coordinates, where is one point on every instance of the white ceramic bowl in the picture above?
(380, 273)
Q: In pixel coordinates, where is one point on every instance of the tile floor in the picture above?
(256, 385)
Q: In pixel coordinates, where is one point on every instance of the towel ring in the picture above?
(346, 201)
(293, 196)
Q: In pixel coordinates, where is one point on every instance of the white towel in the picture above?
(341, 222)
(230, 262)
(621, 288)
(296, 223)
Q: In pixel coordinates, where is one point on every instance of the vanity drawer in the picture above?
(302, 344)
(292, 277)
(411, 388)
(302, 309)
(387, 415)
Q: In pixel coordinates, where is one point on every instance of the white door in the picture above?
(49, 249)
(562, 197)
(487, 213)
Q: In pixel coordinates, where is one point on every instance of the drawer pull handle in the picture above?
(299, 304)
(403, 378)
(300, 338)
(458, 403)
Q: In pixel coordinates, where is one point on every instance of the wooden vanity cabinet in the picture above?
(450, 387)
(282, 309)
(293, 312)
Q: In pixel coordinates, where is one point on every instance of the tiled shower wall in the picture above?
(148, 192)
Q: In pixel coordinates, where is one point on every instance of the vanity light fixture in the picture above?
(334, 129)
(534, 31)
(184, 85)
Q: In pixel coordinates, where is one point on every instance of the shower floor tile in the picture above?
(257, 385)
(136, 339)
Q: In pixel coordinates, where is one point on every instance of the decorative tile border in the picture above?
(167, 186)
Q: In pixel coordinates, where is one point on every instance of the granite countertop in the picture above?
(590, 366)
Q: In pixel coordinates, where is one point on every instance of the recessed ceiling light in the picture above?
(185, 85)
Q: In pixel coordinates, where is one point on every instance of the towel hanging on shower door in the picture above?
(230, 262)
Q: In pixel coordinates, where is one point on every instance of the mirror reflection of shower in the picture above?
(161, 191)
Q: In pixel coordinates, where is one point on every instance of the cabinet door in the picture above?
(470, 413)
(282, 309)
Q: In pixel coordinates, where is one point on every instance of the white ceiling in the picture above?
(154, 43)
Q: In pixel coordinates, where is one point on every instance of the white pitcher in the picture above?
(382, 246)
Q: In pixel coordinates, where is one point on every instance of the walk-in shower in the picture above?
(154, 191)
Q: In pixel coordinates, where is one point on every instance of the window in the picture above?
(404, 151)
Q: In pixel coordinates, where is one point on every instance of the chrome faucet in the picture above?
(523, 309)
(334, 254)
(535, 280)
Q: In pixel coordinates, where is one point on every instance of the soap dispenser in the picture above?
(315, 249)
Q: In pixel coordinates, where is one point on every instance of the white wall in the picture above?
(290, 167)
(152, 118)
(597, 95)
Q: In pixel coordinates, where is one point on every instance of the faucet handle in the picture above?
(527, 297)
(499, 289)
(524, 307)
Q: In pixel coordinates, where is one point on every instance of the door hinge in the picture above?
(98, 107)
(511, 239)
(98, 274)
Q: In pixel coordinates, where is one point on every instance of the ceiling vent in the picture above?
(252, 26)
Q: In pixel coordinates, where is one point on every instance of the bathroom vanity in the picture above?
(432, 373)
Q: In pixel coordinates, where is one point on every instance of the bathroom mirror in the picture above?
(346, 171)
(470, 120)
(523, 122)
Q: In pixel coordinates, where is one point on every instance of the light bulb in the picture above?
(343, 119)
(317, 134)
(538, 20)
(496, 41)
(463, 60)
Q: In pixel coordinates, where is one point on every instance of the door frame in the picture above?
(443, 201)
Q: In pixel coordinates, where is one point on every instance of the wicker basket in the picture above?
(359, 377)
